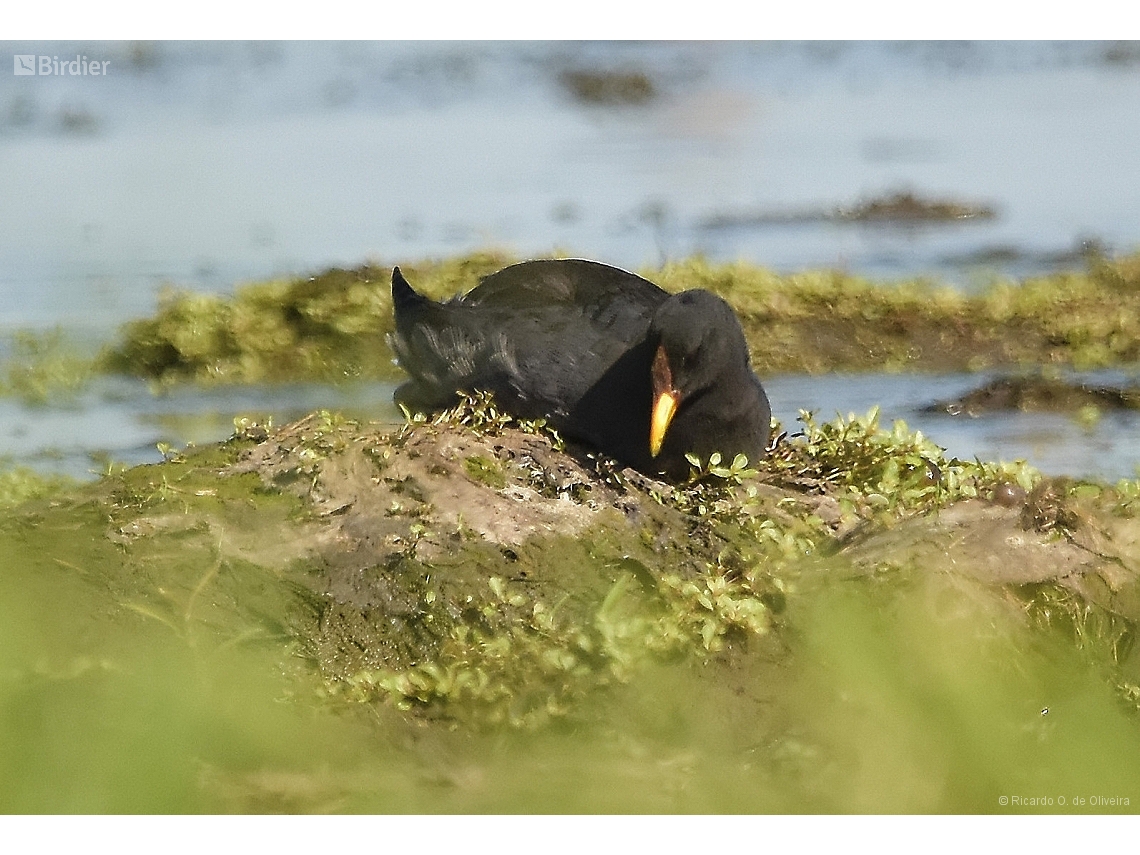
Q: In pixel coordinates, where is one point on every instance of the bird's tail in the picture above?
(403, 296)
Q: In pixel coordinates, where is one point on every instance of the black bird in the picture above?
(606, 357)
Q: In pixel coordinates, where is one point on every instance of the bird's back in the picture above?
(537, 334)
(565, 282)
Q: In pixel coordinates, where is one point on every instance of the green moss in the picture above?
(332, 326)
(829, 321)
(485, 472)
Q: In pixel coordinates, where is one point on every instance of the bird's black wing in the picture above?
(537, 334)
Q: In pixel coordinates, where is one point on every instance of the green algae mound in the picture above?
(465, 614)
(331, 326)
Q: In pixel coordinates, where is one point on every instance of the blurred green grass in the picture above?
(907, 695)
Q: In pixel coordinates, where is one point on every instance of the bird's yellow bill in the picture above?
(663, 409)
(665, 400)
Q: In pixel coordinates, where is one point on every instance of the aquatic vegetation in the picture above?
(827, 320)
(901, 208)
(610, 88)
(871, 469)
(906, 207)
(523, 656)
(527, 660)
(1042, 391)
(539, 665)
(42, 367)
(331, 327)
(736, 471)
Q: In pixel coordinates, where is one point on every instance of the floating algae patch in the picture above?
(332, 326)
(818, 321)
(897, 209)
(609, 88)
(1039, 393)
(337, 617)
(39, 367)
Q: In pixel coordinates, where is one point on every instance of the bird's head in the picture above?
(699, 341)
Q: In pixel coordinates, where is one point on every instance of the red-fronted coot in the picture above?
(606, 357)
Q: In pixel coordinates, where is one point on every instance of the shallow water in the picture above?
(118, 421)
(206, 164)
(1055, 443)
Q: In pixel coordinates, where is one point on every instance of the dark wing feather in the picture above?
(537, 334)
